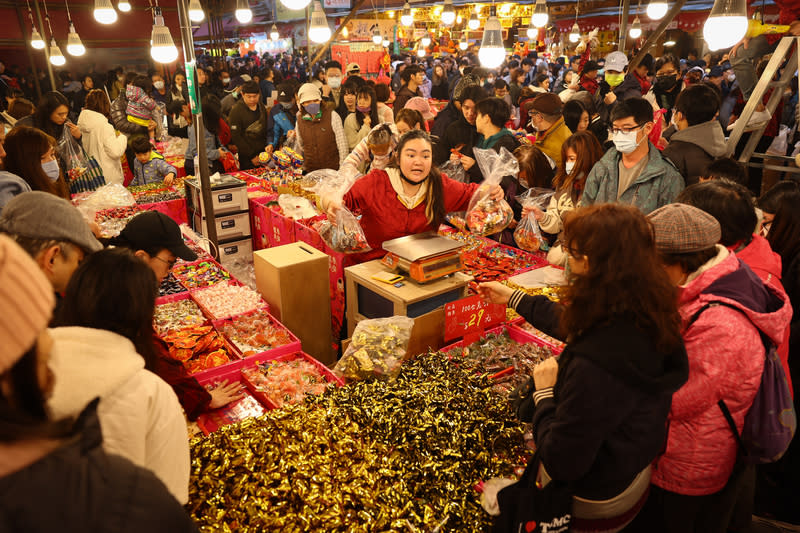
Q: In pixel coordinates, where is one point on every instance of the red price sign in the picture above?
(469, 317)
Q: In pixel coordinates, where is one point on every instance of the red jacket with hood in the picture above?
(726, 359)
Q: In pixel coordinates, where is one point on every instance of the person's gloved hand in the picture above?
(490, 490)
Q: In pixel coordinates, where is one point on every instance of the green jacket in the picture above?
(658, 184)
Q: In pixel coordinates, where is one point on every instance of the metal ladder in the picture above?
(781, 52)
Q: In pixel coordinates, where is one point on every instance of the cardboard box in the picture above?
(294, 279)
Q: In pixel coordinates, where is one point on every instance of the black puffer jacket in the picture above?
(78, 487)
(606, 418)
(119, 118)
(458, 133)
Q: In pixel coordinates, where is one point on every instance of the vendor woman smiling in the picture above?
(409, 197)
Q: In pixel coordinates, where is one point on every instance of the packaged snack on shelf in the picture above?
(377, 348)
(199, 348)
(288, 379)
(528, 236)
(486, 216)
(200, 274)
(227, 298)
(170, 285)
(176, 312)
(257, 333)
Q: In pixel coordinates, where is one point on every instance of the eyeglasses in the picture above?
(531, 113)
(170, 264)
(612, 131)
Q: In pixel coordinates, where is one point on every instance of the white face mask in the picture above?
(625, 143)
(226, 81)
(569, 166)
(158, 85)
(335, 82)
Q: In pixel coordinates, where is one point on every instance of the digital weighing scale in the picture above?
(425, 257)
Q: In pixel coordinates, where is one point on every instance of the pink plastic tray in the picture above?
(233, 281)
(247, 407)
(293, 346)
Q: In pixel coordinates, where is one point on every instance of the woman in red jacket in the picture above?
(411, 196)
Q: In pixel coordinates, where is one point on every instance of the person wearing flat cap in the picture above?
(551, 133)
(725, 310)
(60, 461)
(156, 239)
(57, 241)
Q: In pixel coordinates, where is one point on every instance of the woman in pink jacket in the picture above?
(697, 481)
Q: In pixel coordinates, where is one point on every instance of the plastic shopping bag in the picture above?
(344, 234)
(455, 171)
(378, 348)
(486, 216)
(76, 165)
(528, 235)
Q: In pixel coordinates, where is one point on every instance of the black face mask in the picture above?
(665, 83)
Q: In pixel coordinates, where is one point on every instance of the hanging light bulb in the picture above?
(377, 38)
(532, 32)
(656, 10)
(124, 6)
(74, 45)
(36, 40)
(459, 19)
(196, 13)
(492, 52)
(726, 25)
(104, 12)
(426, 40)
(575, 33)
(421, 52)
(319, 31)
(464, 44)
(273, 33)
(386, 43)
(56, 57)
(390, 14)
(636, 28)
(407, 19)
(243, 13)
(540, 17)
(162, 49)
(295, 4)
(474, 23)
(448, 13)
(667, 44)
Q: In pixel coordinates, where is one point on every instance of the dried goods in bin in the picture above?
(227, 299)
(485, 215)
(403, 455)
(377, 348)
(198, 348)
(255, 333)
(345, 235)
(170, 285)
(286, 382)
(201, 274)
(177, 315)
(488, 217)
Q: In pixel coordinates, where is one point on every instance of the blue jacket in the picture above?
(658, 184)
(282, 122)
(212, 151)
(266, 87)
(152, 171)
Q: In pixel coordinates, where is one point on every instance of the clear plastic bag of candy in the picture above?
(377, 348)
(528, 236)
(486, 216)
(455, 171)
(106, 197)
(343, 234)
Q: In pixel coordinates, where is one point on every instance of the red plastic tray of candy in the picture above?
(555, 345)
(196, 275)
(275, 334)
(172, 298)
(196, 295)
(247, 407)
(292, 390)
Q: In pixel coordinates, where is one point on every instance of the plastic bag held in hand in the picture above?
(528, 236)
(71, 153)
(486, 216)
(344, 234)
(489, 495)
(378, 348)
(455, 171)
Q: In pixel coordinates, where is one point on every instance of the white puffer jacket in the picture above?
(139, 413)
(101, 142)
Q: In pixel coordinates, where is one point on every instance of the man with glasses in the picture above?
(551, 132)
(633, 171)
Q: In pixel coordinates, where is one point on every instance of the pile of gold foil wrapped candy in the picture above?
(394, 456)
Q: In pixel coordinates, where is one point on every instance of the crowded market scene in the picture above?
(399, 266)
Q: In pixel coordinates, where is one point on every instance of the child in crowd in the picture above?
(149, 166)
(725, 168)
(141, 108)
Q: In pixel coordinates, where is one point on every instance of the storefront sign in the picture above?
(361, 29)
(470, 317)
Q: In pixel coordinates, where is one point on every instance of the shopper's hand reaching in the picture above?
(545, 373)
(225, 393)
(495, 292)
(745, 42)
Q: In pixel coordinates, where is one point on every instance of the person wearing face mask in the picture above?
(699, 138)
(31, 155)
(357, 125)
(319, 132)
(579, 153)
(375, 151)
(411, 196)
(633, 171)
(283, 117)
(546, 117)
(160, 91)
(248, 121)
(332, 89)
(231, 98)
(460, 137)
(623, 84)
(11, 185)
(118, 83)
(667, 84)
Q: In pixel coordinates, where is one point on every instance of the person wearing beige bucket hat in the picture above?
(52, 471)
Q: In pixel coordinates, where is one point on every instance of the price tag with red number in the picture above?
(470, 317)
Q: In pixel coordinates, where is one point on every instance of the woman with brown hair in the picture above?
(578, 155)
(31, 155)
(535, 168)
(100, 140)
(600, 411)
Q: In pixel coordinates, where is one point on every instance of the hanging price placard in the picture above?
(470, 317)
